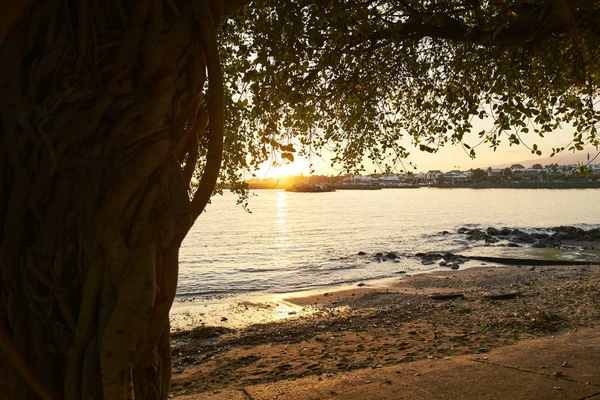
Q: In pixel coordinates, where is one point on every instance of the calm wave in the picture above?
(295, 241)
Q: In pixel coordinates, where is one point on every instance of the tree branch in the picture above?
(216, 105)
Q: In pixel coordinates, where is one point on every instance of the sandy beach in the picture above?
(388, 324)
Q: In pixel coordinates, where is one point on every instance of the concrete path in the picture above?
(561, 367)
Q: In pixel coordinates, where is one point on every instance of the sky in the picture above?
(447, 158)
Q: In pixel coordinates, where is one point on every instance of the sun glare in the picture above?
(292, 169)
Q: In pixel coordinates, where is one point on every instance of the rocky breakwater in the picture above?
(449, 260)
(556, 237)
(563, 238)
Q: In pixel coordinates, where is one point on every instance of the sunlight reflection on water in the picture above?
(294, 241)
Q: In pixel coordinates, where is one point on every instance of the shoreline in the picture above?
(472, 185)
(245, 309)
(390, 325)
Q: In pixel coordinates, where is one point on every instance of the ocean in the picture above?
(300, 241)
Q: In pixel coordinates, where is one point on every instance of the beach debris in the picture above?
(500, 295)
(223, 319)
(445, 296)
(565, 365)
(557, 374)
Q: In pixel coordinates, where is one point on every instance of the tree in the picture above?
(537, 166)
(109, 108)
(358, 76)
(517, 166)
(478, 174)
(507, 172)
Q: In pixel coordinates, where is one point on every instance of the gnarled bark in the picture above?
(102, 110)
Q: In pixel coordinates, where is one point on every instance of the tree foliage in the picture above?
(478, 174)
(357, 77)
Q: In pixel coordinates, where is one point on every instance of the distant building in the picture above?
(358, 179)
(421, 176)
(495, 172)
(389, 180)
(526, 172)
(433, 174)
(457, 176)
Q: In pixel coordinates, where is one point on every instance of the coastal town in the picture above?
(517, 175)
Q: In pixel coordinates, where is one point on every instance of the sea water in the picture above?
(299, 241)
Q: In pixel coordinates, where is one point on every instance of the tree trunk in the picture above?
(103, 123)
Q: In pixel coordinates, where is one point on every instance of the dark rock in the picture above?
(539, 245)
(362, 253)
(445, 232)
(449, 256)
(491, 239)
(454, 266)
(427, 261)
(391, 255)
(493, 231)
(401, 272)
(505, 232)
(539, 236)
(420, 254)
(521, 238)
(361, 284)
(512, 245)
(476, 234)
(378, 254)
(433, 255)
(443, 263)
(463, 230)
(567, 229)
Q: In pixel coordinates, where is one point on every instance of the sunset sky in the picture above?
(447, 158)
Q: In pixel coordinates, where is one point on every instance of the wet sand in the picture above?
(389, 323)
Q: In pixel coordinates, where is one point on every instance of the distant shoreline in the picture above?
(520, 185)
(474, 185)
